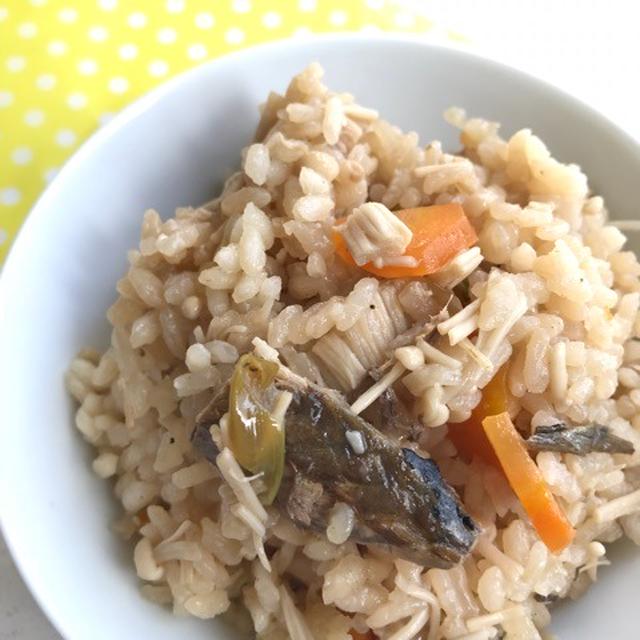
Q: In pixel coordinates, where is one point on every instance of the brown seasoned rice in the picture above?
(552, 290)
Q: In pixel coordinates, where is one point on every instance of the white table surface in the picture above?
(590, 48)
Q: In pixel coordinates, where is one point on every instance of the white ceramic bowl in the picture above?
(172, 148)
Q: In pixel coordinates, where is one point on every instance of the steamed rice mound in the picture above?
(551, 290)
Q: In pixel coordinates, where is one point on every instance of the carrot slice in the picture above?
(440, 232)
(527, 482)
(469, 437)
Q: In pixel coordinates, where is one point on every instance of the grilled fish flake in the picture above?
(400, 498)
(578, 440)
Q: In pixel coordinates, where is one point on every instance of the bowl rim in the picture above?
(142, 104)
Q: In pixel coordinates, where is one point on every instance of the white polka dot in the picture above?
(34, 117)
(158, 68)
(338, 18)
(6, 98)
(10, 196)
(50, 174)
(175, 6)
(271, 20)
(107, 5)
(38, 3)
(404, 19)
(105, 117)
(128, 51)
(302, 32)
(16, 63)
(87, 67)
(22, 155)
(77, 101)
(68, 15)
(4, 13)
(137, 20)
(98, 33)
(234, 35)
(204, 20)
(197, 51)
(241, 6)
(57, 47)
(65, 138)
(27, 30)
(167, 35)
(46, 81)
(307, 5)
(376, 5)
(118, 85)
(3, 236)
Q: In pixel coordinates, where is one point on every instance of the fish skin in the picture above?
(578, 440)
(395, 492)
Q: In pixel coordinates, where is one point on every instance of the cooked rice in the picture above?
(557, 296)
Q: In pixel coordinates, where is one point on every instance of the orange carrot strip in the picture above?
(469, 437)
(440, 232)
(528, 484)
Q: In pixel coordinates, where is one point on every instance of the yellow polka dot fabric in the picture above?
(66, 66)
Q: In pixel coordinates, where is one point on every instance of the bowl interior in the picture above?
(174, 148)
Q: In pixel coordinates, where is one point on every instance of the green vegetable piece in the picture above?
(255, 437)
